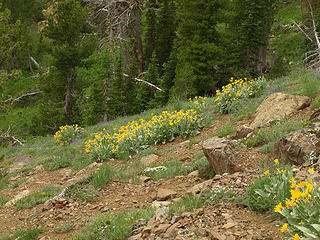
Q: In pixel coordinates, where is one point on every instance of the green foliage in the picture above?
(83, 191)
(65, 29)
(17, 183)
(3, 200)
(269, 189)
(199, 57)
(37, 197)
(225, 130)
(94, 80)
(250, 27)
(67, 227)
(101, 177)
(68, 134)
(269, 135)
(191, 202)
(31, 234)
(236, 94)
(316, 103)
(150, 35)
(114, 226)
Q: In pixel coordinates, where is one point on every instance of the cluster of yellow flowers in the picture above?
(300, 192)
(237, 89)
(198, 101)
(160, 128)
(67, 133)
(140, 130)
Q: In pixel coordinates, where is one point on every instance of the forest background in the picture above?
(91, 61)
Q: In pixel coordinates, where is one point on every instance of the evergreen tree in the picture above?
(251, 27)
(65, 28)
(150, 36)
(116, 104)
(93, 82)
(199, 54)
(166, 32)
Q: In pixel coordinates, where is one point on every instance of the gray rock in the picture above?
(299, 147)
(164, 194)
(219, 153)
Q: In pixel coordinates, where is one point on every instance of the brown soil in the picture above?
(226, 219)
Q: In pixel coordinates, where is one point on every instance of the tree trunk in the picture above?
(136, 16)
(67, 106)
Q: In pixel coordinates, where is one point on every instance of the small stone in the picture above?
(194, 173)
(162, 228)
(162, 214)
(148, 160)
(184, 144)
(144, 179)
(164, 194)
(175, 219)
(229, 225)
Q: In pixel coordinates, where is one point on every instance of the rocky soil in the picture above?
(225, 220)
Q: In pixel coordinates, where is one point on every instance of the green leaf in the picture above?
(307, 231)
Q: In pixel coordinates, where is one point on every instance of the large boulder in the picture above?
(300, 146)
(278, 106)
(220, 155)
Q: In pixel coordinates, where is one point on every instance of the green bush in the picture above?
(67, 134)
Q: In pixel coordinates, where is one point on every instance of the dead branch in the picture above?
(145, 82)
(9, 137)
(34, 62)
(301, 30)
(314, 26)
(22, 96)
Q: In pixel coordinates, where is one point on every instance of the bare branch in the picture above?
(145, 82)
(314, 26)
(301, 30)
(22, 96)
(9, 137)
(34, 62)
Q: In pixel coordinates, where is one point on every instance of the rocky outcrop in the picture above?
(220, 155)
(300, 146)
(278, 106)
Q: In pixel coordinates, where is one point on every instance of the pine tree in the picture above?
(65, 29)
(199, 54)
(166, 32)
(150, 36)
(251, 27)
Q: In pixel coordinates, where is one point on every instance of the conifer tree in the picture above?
(65, 28)
(166, 32)
(251, 27)
(199, 55)
(150, 37)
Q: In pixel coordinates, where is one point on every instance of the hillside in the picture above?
(68, 192)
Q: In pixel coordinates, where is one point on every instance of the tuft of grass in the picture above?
(84, 192)
(62, 159)
(80, 162)
(267, 136)
(193, 141)
(67, 227)
(192, 202)
(146, 152)
(3, 200)
(114, 226)
(316, 103)
(31, 234)
(102, 176)
(225, 130)
(198, 155)
(37, 197)
(17, 183)
(169, 150)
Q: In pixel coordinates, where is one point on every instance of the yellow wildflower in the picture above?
(296, 237)
(266, 172)
(284, 227)
(278, 208)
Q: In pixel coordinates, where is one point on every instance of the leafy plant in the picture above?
(274, 186)
(238, 90)
(68, 134)
(225, 130)
(83, 191)
(102, 176)
(31, 234)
